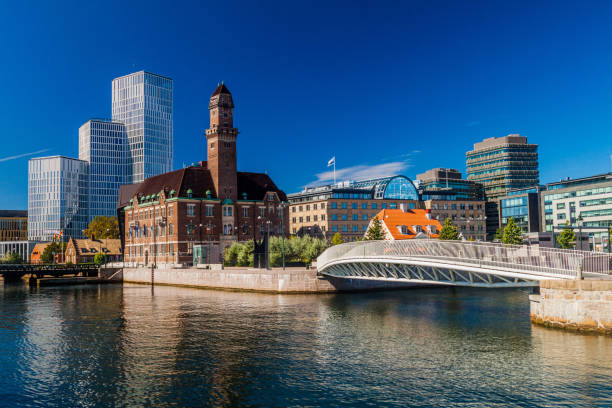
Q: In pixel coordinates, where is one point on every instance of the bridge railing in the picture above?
(530, 259)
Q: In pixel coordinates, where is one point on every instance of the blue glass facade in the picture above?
(103, 144)
(58, 197)
(143, 102)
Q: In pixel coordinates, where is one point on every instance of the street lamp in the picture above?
(579, 221)
(268, 246)
(281, 209)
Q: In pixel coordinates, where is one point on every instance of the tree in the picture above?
(53, 248)
(375, 232)
(12, 258)
(499, 234)
(512, 233)
(449, 231)
(103, 227)
(566, 238)
(99, 258)
(337, 239)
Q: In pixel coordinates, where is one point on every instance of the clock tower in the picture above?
(221, 144)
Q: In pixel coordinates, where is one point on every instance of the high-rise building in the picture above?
(523, 206)
(143, 102)
(58, 195)
(103, 144)
(502, 164)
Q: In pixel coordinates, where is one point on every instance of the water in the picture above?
(102, 346)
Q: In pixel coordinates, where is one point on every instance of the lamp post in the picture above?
(268, 246)
(281, 208)
(579, 221)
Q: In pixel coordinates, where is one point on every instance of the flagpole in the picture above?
(334, 169)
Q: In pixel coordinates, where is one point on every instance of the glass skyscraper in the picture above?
(58, 195)
(103, 144)
(143, 102)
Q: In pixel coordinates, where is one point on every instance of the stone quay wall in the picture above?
(584, 305)
(291, 280)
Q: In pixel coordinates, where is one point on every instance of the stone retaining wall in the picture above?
(575, 305)
(292, 280)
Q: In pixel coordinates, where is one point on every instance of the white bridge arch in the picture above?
(458, 263)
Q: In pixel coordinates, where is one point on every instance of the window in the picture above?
(561, 216)
(301, 219)
(322, 217)
(334, 205)
(210, 211)
(354, 206)
(334, 228)
(307, 207)
(355, 228)
(454, 206)
(374, 206)
(301, 208)
(170, 211)
(227, 211)
(293, 220)
(314, 206)
(190, 210)
(462, 206)
(560, 206)
(383, 205)
(308, 218)
(344, 217)
(262, 211)
(344, 206)
(345, 228)
(355, 217)
(364, 217)
(334, 217)
(270, 196)
(322, 206)
(245, 212)
(315, 218)
(170, 229)
(189, 228)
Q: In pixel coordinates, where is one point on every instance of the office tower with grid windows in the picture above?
(143, 102)
(103, 144)
(58, 197)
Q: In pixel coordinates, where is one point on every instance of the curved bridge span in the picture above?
(458, 263)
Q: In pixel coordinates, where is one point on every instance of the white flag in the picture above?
(331, 161)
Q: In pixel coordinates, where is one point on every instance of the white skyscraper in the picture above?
(143, 102)
(103, 144)
(58, 192)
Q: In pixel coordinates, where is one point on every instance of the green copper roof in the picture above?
(227, 201)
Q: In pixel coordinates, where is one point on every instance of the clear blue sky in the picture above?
(384, 86)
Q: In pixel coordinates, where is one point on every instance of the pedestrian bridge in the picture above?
(458, 263)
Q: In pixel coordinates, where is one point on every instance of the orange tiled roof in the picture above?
(409, 218)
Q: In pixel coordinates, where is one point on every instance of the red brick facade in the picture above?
(210, 204)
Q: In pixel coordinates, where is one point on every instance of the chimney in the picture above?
(428, 214)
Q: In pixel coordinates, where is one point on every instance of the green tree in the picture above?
(499, 234)
(375, 231)
(245, 255)
(567, 238)
(12, 258)
(99, 258)
(103, 227)
(512, 233)
(449, 231)
(53, 247)
(337, 239)
(230, 257)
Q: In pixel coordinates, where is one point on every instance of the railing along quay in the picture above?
(530, 259)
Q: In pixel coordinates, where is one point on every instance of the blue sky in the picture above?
(386, 87)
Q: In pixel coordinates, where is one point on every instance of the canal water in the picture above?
(128, 346)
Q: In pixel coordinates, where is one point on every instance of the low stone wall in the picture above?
(288, 281)
(291, 280)
(575, 305)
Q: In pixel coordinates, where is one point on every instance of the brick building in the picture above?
(209, 204)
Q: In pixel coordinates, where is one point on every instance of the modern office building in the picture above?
(103, 144)
(347, 207)
(447, 184)
(13, 225)
(58, 196)
(589, 198)
(143, 102)
(523, 206)
(502, 164)
(23, 248)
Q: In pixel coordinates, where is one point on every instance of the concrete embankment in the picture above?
(574, 305)
(291, 280)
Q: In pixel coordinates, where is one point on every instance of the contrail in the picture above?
(23, 155)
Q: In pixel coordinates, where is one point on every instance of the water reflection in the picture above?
(129, 346)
